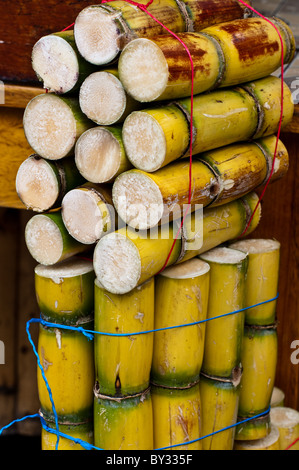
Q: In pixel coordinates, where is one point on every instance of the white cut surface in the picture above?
(97, 155)
(277, 396)
(82, 215)
(102, 98)
(137, 199)
(223, 255)
(117, 263)
(97, 35)
(187, 270)
(144, 141)
(254, 245)
(36, 184)
(284, 417)
(44, 240)
(50, 126)
(55, 62)
(69, 268)
(143, 70)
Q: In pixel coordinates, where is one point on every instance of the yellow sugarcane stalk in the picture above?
(181, 297)
(65, 291)
(224, 55)
(219, 400)
(287, 421)
(270, 442)
(259, 360)
(123, 363)
(82, 431)
(123, 423)
(220, 118)
(262, 279)
(177, 417)
(223, 340)
(67, 358)
(253, 428)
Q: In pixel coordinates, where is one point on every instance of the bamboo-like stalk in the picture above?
(224, 336)
(82, 431)
(144, 199)
(65, 291)
(220, 118)
(125, 258)
(104, 100)
(123, 363)
(87, 212)
(181, 297)
(58, 63)
(262, 278)
(277, 397)
(270, 442)
(177, 417)
(254, 429)
(52, 125)
(100, 155)
(219, 399)
(41, 184)
(224, 55)
(287, 421)
(102, 31)
(48, 241)
(67, 360)
(123, 423)
(259, 360)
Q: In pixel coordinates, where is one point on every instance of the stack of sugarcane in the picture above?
(110, 179)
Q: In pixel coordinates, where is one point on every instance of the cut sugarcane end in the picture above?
(144, 141)
(98, 155)
(143, 70)
(138, 200)
(187, 270)
(262, 443)
(117, 263)
(69, 268)
(44, 240)
(277, 397)
(36, 184)
(102, 98)
(50, 126)
(284, 417)
(223, 255)
(256, 245)
(82, 216)
(55, 63)
(97, 35)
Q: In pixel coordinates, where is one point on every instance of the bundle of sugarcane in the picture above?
(65, 297)
(259, 348)
(287, 421)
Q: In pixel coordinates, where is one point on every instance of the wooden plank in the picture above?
(16, 96)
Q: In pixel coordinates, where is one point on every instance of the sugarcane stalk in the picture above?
(100, 155)
(48, 241)
(287, 421)
(224, 55)
(102, 31)
(104, 100)
(123, 423)
(41, 184)
(52, 125)
(220, 118)
(270, 442)
(181, 298)
(66, 357)
(177, 417)
(262, 279)
(259, 360)
(219, 400)
(224, 336)
(277, 397)
(123, 363)
(254, 429)
(126, 258)
(219, 176)
(82, 431)
(87, 212)
(58, 63)
(65, 291)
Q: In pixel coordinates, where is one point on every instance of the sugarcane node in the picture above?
(175, 387)
(142, 395)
